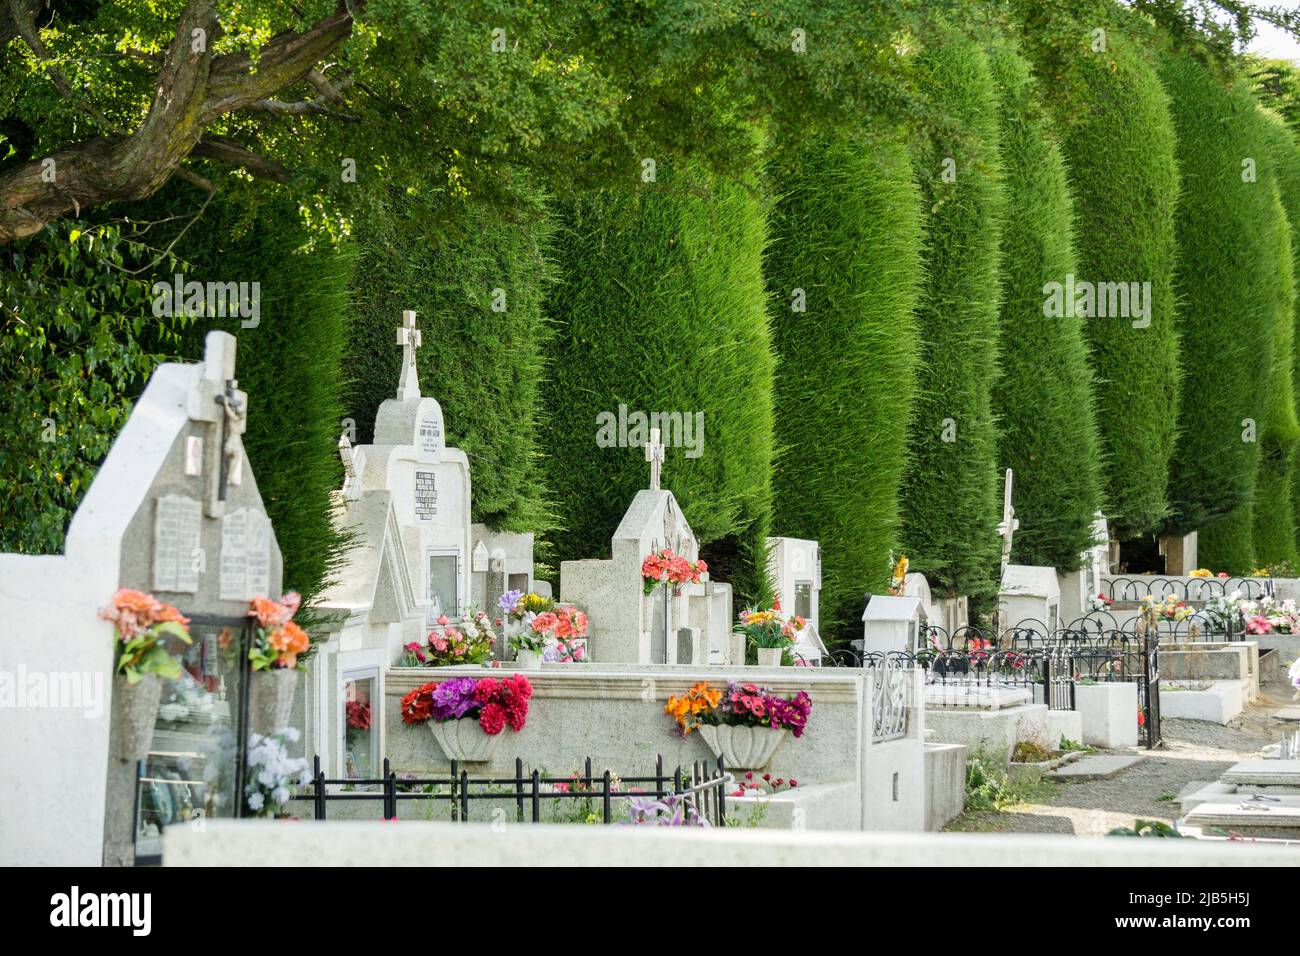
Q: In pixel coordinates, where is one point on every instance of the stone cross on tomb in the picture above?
(351, 486)
(654, 453)
(1010, 523)
(218, 402)
(408, 337)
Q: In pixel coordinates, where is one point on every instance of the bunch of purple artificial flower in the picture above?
(452, 699)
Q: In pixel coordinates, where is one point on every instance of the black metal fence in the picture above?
(1052, 663)
(700, 791)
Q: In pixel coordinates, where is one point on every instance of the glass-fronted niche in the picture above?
(191, 770)
(360, 702)
(803, 599)
(443, 583)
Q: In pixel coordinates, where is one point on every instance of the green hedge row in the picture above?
(1118, 141)
(843, 271)
(1044, 396)
(476, 282)
(949, 495)
(290, 365)
(661, 308)
(1225, 283)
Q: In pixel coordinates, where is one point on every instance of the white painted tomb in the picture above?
(794, 566)
(1078, 588)
(1030, 596)
(405, 503)
(891, 623)
(173, 510)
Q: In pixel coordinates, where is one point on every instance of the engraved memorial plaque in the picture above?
(426, 496)
(245, 555)
(177, 525)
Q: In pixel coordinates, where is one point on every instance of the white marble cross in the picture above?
(654, 453)
(1009, 522)
(351, 486)
(408, 337)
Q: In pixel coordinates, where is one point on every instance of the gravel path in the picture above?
(1193, 751)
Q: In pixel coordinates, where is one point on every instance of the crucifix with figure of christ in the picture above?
(1010, 523)
(654, 453)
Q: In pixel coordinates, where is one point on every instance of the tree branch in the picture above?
(194, 88)
(226, 150)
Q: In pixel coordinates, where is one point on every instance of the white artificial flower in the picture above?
(280, 795)
(255, 801)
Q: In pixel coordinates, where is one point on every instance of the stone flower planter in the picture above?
(769, 657)
(528, 660)
(270, 700)
(137, 710)
(743, 748)
(464, 739)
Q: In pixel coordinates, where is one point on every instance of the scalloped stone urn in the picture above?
(137, 710)
(465, 739)
(270, 700)
(743, 748)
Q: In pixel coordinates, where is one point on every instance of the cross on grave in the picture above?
(654, 453)
(233, 411)
(1010, 523)
(351, 489)
(408, 337)
(216, 400)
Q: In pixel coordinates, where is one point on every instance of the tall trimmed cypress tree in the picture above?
(289, 363)
(1274, 522)
(476, 281)
(1044, 396)
(1226, 278)
(661, 308)
(1118, 141)
(843, 270)
(949, 495)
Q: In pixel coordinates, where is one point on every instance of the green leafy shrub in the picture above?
(1043, 398)
(846, 233)
(77, 343)
(949, 495)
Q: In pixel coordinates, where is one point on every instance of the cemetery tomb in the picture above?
(174, 511)
(794, 566)
(1030, 597)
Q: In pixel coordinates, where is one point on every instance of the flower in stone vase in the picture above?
(278, 640)
(495, 703)
(141, 623)
(666, 566)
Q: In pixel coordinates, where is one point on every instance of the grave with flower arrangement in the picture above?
(636, 598)
(127, 720)
(406, 578)
(794, 566)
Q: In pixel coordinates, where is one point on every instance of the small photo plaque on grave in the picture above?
(178, 521)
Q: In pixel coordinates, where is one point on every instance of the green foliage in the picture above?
(949, 496)
(1118, 141)
(483, 364)
(1225, 283)
(990, 787)
(1284, 165)
(661, 308)
(847, 231)
(1043, 397)
(1228, 543)
(1274, 519)
(75, 334)
(1146, 828)
(289, 364)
